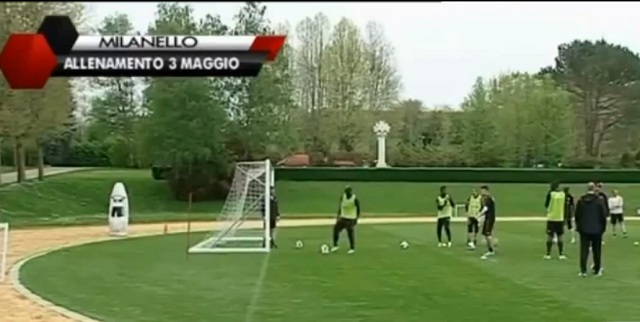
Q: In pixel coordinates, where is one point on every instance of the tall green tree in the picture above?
(259, 106)
(346, 70)
(186, 119)
(479, 131)
(310, 79)
(382, 82)
(533, 118)
(603, 79)
(114, 112)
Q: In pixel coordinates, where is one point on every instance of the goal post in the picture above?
(243, 224)
(4, 249)
(460, 210)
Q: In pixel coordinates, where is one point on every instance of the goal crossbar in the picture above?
(250, 195)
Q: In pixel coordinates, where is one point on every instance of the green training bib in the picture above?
(555, 211)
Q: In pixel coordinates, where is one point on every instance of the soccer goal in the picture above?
(240, 227)
(4, 249)
(459, 210)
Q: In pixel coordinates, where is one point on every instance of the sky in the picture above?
(441, 48)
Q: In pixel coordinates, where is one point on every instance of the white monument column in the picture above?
(381, 128)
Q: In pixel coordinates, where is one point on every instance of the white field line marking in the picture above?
(257, 290)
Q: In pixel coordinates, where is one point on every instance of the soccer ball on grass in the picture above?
(299, 244)
(324, 249)
(404, 244)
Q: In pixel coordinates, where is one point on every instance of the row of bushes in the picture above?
(116, 153)
(77, 154)
(495, 175)
(630, 160)
(480, 175)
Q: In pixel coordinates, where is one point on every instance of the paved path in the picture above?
(12, 177)
(19, 305)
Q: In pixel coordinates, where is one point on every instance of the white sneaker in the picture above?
(471, 246)
(562, 257)
(351, 251)
(334, 249)
(440, 244)
(546, 257)
(449, 244)
(582, 274)
(486, 255)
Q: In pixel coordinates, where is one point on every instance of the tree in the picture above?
(32, 116)
(346, 68)
(534, 119)
(382, 83)
(310, 80)
(186, 120)
(115, 110)
(479, 132)
(259, 106)
(603, 79)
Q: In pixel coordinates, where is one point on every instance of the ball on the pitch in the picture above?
(324, 249)
(636, 243)
(404, 244)
(299, 244)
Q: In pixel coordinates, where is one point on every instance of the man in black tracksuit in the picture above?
(591, 223)
(274, 217)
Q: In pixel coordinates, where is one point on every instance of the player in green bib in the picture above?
(555, 203)
(473, 207)
(445, 205)
(348, 215)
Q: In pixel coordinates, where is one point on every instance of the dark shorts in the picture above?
(345, 223)
(487, 226)
(443, 221)
(472, 225)
(555, 228)
(617, 218)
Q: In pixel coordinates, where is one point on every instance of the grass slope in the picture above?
(150, 279)
(82, 197)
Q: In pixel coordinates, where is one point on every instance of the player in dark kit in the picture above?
(348, 215)
(273, 218)
(488, 218)
(569, 210)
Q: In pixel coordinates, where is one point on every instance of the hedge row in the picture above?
(479, 175)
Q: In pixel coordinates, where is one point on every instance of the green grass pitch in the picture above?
(82, 198)
(151, 279)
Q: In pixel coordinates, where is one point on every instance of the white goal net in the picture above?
(4, 249)
(241, 224)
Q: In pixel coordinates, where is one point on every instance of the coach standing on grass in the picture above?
(591, 223)
(274, 217)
